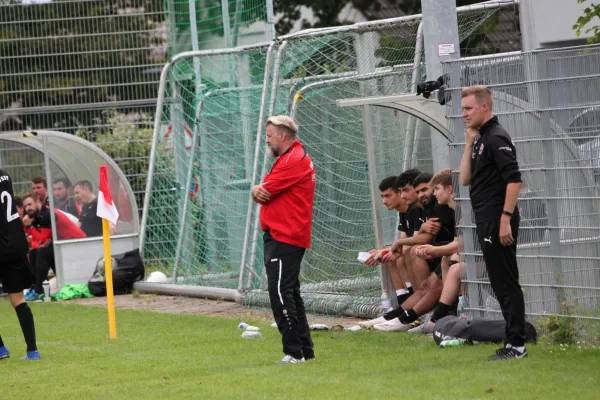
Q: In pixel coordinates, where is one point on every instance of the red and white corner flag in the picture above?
(106, 206)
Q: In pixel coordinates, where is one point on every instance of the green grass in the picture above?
(161, 356)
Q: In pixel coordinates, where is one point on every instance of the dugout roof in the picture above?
(22, 155)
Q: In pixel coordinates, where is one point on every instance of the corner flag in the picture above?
(108, 212)
(106, 206)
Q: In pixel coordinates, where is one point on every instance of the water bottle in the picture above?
(251, 335)
(461, 307)
(247, 327)
(452, 343)
(46, 286)
(386, 302)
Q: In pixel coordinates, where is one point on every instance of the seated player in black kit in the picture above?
(450, 270)
(392, 200)
(14, 266)
(439, 230)
(409, 223)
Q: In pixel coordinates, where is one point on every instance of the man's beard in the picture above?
(32, 214)
(272, 152)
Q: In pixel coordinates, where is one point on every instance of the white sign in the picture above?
(445, 49)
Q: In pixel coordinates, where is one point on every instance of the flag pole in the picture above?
(110, 297)
(107, 210)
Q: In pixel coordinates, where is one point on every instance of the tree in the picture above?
(72, 53)
(590, 13)
(327, 12)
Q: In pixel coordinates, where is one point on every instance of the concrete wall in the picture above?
(548, 23)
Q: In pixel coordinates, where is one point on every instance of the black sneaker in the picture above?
(508, 353)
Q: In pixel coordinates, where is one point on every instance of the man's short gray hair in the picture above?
(285, 122)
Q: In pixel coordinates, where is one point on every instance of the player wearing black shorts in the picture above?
(15, 273)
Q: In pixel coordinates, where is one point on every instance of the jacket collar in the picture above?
(485, 128)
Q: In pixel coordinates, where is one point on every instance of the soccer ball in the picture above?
(157, 277)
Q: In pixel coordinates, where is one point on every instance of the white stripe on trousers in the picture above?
(279, 282)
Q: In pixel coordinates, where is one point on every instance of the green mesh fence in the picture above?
(200, 226)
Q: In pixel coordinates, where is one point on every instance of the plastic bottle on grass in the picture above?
(46, 286)
(251, 335)
(247, 327)
(386, 302)
(452, 343)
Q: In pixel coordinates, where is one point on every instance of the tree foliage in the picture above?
(591, 13)
(326, 12)
(66, 53)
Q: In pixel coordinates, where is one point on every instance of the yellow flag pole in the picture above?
(110, 297)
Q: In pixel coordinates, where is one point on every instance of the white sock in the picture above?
(408, 285)
(400, 292)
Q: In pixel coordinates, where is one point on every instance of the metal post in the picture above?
(226, 23)
(440, 30)
(186, 200)
(463, 203)
(412, 139)
(57, 258)
(194, 37)
(270, 31)
(152, 163)
(526, 18)
(263, 102)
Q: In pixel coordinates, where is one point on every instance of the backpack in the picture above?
(477, 330)
(127, 268)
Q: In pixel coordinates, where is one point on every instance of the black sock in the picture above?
(408, 317)
(441, 310)
(1, 342)
(26, 320)
(410, 290)
(395, 313)
(402, 298)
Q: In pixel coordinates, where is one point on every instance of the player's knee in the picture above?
(16, 299)
(436, 285)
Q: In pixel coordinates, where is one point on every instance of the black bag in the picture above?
(128, 268)
(477, 330)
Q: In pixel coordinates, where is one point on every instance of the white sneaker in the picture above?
(393, 325)
(291, 360)
(372, 322)
(425, 328)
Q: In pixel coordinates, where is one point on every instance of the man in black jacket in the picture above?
(489, 165)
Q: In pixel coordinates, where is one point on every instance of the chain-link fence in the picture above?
(92, 68)
(86, 68)
(549, 101)
(199, 226)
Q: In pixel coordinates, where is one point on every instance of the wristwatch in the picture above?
(507, 213)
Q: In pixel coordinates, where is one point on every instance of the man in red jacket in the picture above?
(287, 195)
